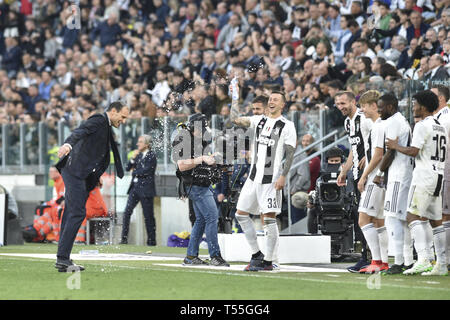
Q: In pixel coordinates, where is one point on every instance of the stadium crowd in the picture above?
(150, 52)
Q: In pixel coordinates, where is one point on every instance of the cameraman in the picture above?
(333, 157)
(193, 167)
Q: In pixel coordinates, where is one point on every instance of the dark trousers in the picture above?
(149, 215)
(75, 198)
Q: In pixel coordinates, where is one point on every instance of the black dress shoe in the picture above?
(151, 243)
(67, 266)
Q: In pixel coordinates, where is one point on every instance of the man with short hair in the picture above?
(397, 169)
(424, 199)
(274, 135)
(437, 70)
(357, 127)
(442, 114)
(142, 188)
(84, 157)
(371, 215)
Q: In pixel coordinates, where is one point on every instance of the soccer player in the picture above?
(273, 135)
(397, 168)
(357, 127)
(371, 214)
(442, 114)
(428, 146)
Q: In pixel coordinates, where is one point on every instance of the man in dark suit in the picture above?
(142, 188)
(85, 156)
(438, 72)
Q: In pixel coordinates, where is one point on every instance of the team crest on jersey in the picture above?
(276, 131)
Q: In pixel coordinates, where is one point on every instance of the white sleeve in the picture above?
(379, 143)
(366, 126)
(391, 130)
(420, 134)
(254, 120)
(290, 135)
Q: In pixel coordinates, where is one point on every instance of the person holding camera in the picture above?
(357, 127)
(196, 172)
(333, 157)
(274, 135)
(371, 213)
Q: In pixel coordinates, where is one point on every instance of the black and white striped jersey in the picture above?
(270, 136)
(358, 128)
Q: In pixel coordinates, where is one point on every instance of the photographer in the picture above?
(333, 157)
(196, 173)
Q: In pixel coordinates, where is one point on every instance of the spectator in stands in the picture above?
(314, 163)
(108, 31)
(418, 28)
(12, 57)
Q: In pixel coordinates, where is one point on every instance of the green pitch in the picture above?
(36, 278)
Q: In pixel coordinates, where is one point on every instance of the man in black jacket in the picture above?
(142, 188)
(85, 156)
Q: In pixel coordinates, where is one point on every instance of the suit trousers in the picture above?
(75, 198)
(148, 210)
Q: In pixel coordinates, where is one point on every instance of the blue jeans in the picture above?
(206, 218)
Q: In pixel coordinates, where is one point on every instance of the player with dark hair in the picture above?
(428, 146)
(357, 127)
(396, 168)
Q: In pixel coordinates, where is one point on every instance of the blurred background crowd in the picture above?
(64, 60)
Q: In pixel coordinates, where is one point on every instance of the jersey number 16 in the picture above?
(441, 143)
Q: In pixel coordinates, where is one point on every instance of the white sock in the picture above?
(408, 248)
(446, 225)
(440, 244)
(249, 230)
(272, 234)
(384, 243)
(430, 243)
(371, 235)
(395, 233)
(418, 234)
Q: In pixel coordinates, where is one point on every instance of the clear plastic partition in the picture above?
(30, 143)
(11, 154)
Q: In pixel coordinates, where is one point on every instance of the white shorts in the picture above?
(424, 204)
(257, 198)
(396, 200)
(446, 197)
(371, 202)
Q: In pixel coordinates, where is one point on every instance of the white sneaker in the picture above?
(439, 269)
(419, 267)
(275, 266)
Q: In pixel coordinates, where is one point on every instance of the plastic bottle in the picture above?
(234, 84)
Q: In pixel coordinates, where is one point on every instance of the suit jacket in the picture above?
(440, 75)
(90, 155)
(143, 176)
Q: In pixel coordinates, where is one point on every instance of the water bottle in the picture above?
(234, 86)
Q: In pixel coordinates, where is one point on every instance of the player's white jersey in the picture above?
(402, 166)
(431, 138)
(268, 148)
(357, 128)
(443, 116)
(374, 139)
